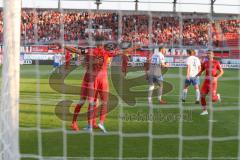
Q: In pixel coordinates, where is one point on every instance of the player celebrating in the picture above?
(95, 83)
(154, 73)
(213, 71)
(87, 87)
(193, 68)
(101, 86)
(101, 82)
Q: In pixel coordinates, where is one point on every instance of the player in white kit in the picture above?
(154, 73)
(57, 58)
(193, 67)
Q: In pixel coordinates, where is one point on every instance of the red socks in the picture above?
(203, 102)
(76, 111)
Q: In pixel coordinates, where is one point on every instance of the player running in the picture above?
(193, 68)
(154, 73)
(213, 71)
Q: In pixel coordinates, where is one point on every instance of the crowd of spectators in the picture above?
(165, 30)
(230, 26)
(43, 26)
(86, 26)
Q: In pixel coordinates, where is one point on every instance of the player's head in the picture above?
(162, 49)
(99, 42)
(191, 52)
(210, 54)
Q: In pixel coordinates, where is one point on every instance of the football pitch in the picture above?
(131, 133)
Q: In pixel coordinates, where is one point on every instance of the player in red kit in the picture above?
(91, 63)
(101, 85)
(67, 59)
(95, 83)
(125, 60)
(101, 82)
(213, 71)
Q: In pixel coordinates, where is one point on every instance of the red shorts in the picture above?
(210, 86)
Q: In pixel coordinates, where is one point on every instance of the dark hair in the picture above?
(99, 39)
(210, 50)
(189, 52)
(160, 48)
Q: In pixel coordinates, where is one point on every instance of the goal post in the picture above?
(9, 106)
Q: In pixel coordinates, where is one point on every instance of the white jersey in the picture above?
(157, 59)
(194, 64)
(57, 58)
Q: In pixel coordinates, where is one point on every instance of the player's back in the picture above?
(155, 67)
(194, 63)
(56, 58)
(102, 59)
(93, 61)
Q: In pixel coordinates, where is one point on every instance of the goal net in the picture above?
(38, 100)
(9, 121)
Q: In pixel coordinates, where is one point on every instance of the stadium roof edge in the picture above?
(164, 13)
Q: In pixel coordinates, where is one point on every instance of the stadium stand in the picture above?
(166, 30)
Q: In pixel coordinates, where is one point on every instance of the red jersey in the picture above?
(105, 55)
(124, 60)
(211, 66)
(67, 56)
(92, 62)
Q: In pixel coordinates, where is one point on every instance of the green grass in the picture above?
(37, 96)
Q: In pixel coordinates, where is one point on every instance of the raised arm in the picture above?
(126, 51)
(73, 49)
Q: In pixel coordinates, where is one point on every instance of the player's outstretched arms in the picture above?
(128, 50)
(73, 49)
(133, 48)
